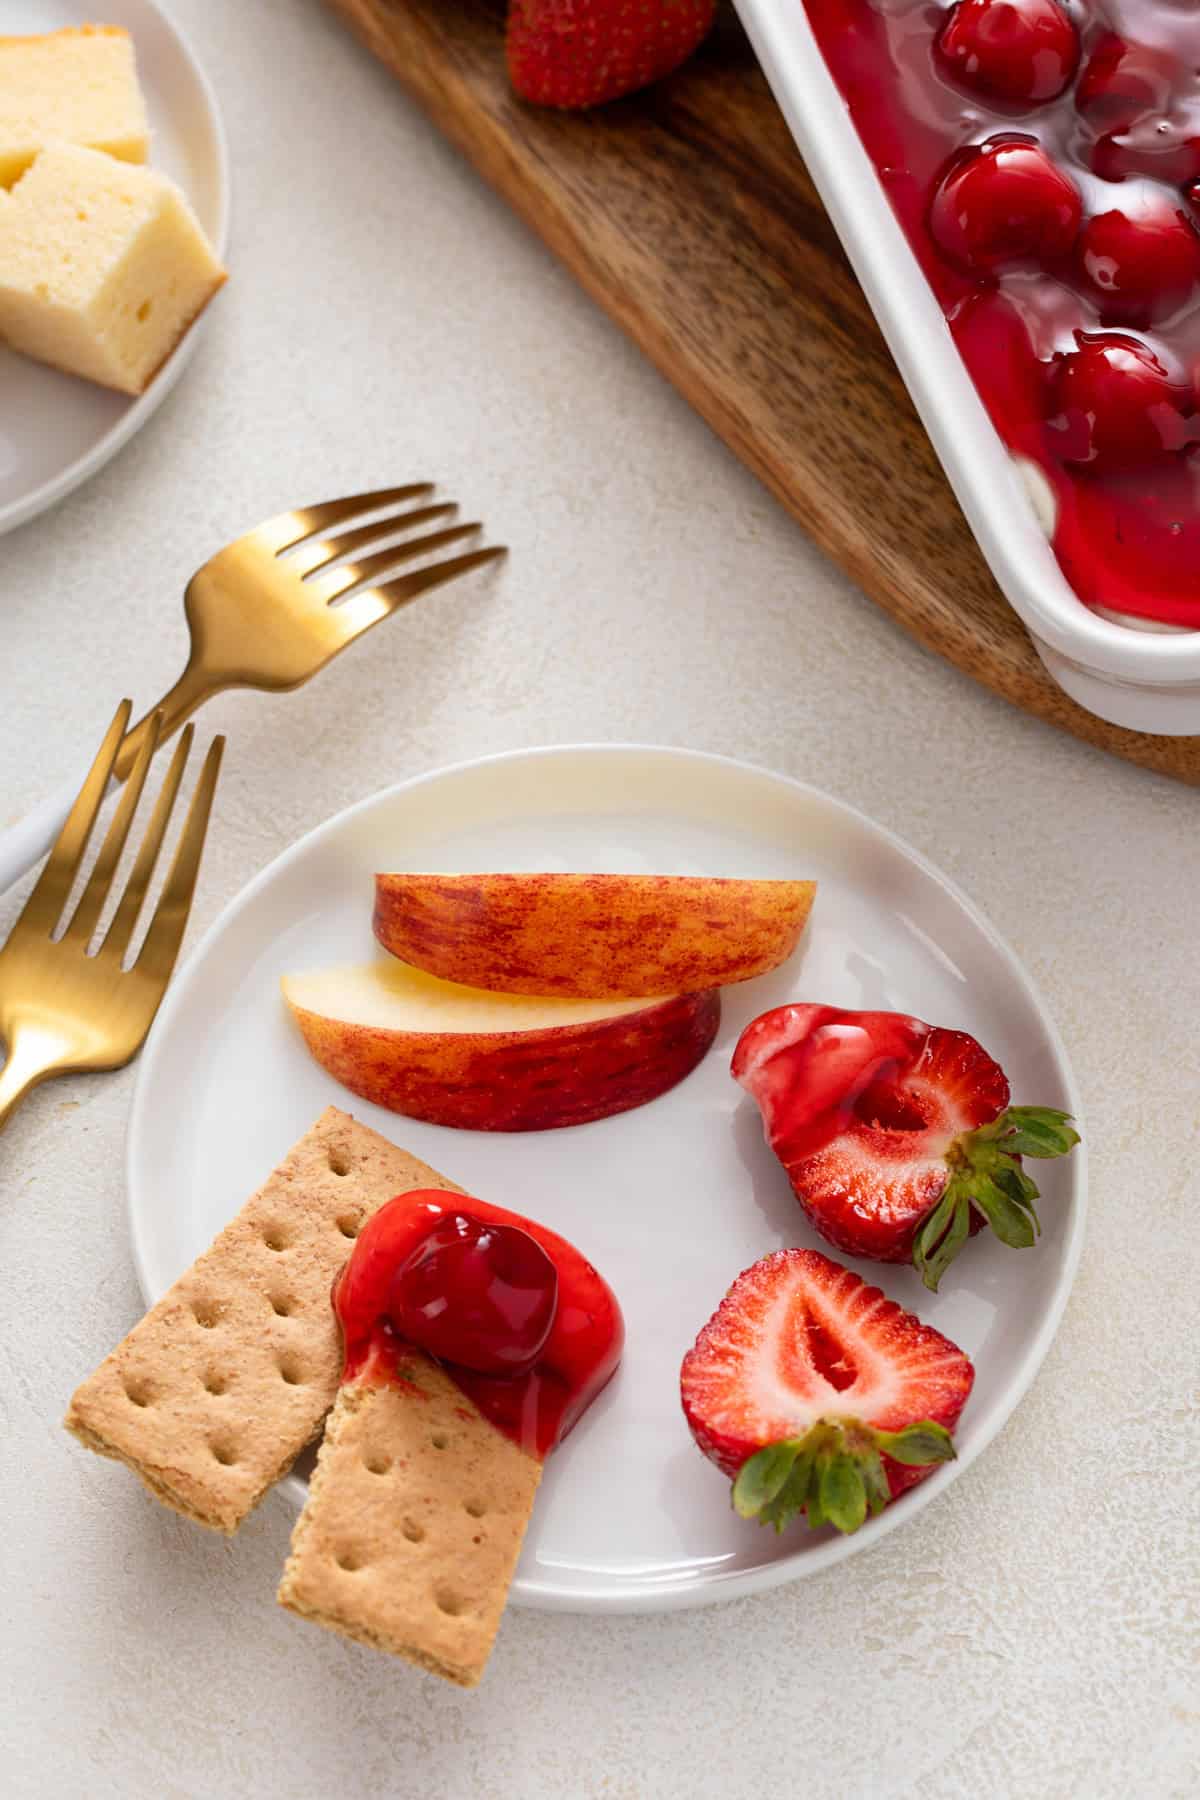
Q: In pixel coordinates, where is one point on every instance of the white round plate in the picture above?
(670, 1201)
(56, 430)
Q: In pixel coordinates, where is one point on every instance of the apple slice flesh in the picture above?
(483, 1061)
(591, 935)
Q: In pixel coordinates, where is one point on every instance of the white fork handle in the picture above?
(26, 842)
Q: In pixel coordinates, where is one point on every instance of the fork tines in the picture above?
(43, 910)
(303, 538)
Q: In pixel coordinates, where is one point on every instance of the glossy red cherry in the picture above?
(1016, 50)
(1002, 203)
(479, 1295)
(1121, 81)
(1114, 406)
(1141, 262)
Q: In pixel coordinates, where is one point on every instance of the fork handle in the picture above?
(30, 1060)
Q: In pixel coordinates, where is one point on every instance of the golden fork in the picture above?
(261, 618)
(62, 1009)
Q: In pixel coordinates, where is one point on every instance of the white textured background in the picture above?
(1035, 1632)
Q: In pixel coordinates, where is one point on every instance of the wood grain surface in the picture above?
(687, 213)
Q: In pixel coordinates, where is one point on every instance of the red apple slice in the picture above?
(484, 1061)
(589, 935)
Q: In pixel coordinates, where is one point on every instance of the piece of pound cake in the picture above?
(103, 267)
(79, 85)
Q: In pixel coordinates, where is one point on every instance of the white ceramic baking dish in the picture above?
(1140, 675)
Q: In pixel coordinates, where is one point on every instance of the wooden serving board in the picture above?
(687, 213)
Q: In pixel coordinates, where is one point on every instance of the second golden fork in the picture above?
(271, 609)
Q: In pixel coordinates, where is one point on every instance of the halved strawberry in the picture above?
(817, 1394)
(897, 1136)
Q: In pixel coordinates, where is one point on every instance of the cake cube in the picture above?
(103, 266)
(79, 84)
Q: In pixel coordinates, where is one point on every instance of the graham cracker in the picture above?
(414, 1521)
(214, 1394)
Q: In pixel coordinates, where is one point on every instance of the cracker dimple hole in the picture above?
(223, 1453)
(439, 1440)
(348, 1225)
(412, 1531)
(377, 1464)
(339, 1162)
(289, 1368)
(143, 311)
(282, 1305)
(137, 1393)
(214, 1383)
(448, 1602)
(350, 1560)
(476, 1508)
(206, 1313)
(275, 1238)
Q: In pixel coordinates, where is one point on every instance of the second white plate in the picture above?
(671, 1201)
(55, 430)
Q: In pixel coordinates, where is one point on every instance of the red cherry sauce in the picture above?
(812, 1069)
(1026, 286)
(537, 1405)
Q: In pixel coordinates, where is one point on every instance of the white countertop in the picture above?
(1034, 1631)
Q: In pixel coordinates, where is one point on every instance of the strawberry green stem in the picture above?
(986, 1177)
(834, 1473)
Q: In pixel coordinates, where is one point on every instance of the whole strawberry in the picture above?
(579, 53)
(818, 1395)
(897, 1136)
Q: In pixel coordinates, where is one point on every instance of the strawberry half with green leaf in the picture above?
(579, 53)
(818, 1395)
(897, 1136)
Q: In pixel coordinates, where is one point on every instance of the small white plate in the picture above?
(56, 430)
(671, 1201)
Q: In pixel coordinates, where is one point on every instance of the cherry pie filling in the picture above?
(515, 1315)
(1043, 157)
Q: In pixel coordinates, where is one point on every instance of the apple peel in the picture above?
(452, 1055)
(590, 936)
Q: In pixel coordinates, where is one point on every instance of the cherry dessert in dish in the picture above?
(1043, 157)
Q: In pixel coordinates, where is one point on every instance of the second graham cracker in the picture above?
(415, 1517)
(211, 1398)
